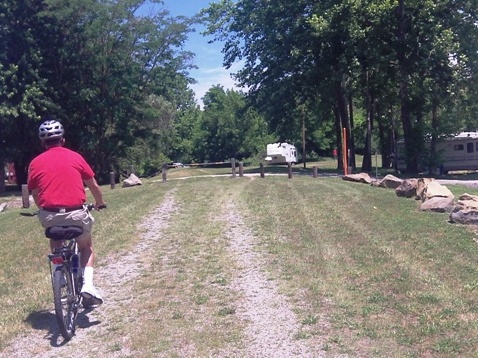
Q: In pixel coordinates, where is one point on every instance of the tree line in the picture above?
(380, 69)
(116, 74)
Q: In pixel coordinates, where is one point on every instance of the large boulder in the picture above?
(361, 178)
(465, 210)
(468, 201)
(421, 185)
(436, 197)
(407, 189)
(435, 189)
(438, 204)
(390, 182)
(132, 180)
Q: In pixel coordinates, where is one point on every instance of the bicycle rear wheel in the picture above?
(66, 307)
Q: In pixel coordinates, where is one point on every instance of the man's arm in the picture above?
(95, 191)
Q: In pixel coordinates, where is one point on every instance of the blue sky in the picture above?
(208, 57)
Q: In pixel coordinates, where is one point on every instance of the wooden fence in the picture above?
(235, 170)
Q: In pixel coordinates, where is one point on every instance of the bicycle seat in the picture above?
(60, 233)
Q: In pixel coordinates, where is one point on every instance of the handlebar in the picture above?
(91, 207)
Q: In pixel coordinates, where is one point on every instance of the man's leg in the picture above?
(90, 295)
(85, 245)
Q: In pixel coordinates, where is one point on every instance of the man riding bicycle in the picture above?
(56, 179)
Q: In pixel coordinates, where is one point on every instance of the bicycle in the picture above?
(66, 275)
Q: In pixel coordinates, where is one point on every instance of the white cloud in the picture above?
(209, 77)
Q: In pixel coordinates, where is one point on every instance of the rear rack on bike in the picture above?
(61, 254)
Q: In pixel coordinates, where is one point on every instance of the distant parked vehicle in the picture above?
(459, 152)
(281, 153)
(10, 175)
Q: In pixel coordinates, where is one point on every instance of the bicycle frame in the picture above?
(66, 276)
(67, 256)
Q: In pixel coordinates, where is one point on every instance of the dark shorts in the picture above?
(81, 218)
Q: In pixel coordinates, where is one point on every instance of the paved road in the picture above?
(468, 183)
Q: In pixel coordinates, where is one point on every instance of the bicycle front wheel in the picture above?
(64, 298)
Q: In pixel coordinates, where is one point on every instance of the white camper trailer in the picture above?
(281, 153)
(459, 152)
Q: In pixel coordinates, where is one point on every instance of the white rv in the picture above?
(281, 153)
(459, 152)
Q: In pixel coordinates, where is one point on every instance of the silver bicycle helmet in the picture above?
(50, 130)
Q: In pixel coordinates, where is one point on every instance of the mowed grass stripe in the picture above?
(384, 265)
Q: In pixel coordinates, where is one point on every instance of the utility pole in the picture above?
(303, 137)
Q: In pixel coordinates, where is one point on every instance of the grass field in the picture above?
(387, 279)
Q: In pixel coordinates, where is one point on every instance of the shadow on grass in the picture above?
(11, 190)
(34, 213)
(46, 321)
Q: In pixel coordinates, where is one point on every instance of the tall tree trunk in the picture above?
(2, 181)
(24, 128)
(367, 157)
(386, 137)
(351, 124)
(338, 136)
(433, 164)
(304, 159)
(408, 132)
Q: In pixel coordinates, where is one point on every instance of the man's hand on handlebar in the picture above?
(96, 206)
(99, 206)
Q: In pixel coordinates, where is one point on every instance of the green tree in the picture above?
(122, 60)
(229, 128)
(24, 93)
(97, 66)
(348, 54)
(291, 58)
(184, 147)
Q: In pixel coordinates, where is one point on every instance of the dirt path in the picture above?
(270, 323)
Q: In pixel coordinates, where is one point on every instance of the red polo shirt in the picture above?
(58, 173)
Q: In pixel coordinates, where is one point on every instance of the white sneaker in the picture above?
(91, 296)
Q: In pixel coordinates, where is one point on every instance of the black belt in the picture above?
(63, 210)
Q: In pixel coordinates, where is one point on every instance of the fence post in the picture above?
(261, 166)
(241, 169)
(164, 172)
(131, 169)
(289, 165)
(112, 180)
(314, 171)
(233, 163)
(25, 196)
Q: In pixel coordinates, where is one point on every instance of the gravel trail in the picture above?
(271, 323)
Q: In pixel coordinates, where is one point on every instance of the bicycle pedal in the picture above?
(90, 302)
